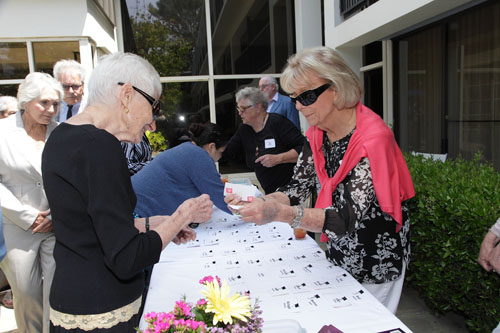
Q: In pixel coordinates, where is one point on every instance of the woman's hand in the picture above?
(260, 212)
(43, 222)
(494, 259)
(185, 235)
(268, 160)
(487, 248)
(197, 209)
(234, 200)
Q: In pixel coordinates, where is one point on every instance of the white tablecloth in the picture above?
(291, 278)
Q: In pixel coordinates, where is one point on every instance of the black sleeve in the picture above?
(111, 203)
(290, 134)
(234, 147)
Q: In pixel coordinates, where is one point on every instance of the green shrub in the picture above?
(455, 204)
(157, 141)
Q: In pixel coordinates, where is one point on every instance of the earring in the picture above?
(126, 110)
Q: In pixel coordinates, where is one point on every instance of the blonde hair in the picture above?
(324, 63)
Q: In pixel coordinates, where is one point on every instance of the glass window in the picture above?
(228, 118)
(171, 34)
(474, 83)
(449, 86)
(252, 36)
(46, 54)
(13, 60)
(183, 104)
(8, 90)
(420, 85)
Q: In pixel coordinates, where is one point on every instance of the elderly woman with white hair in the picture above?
(8, 106)
(101, 251)
(29, 264)
(351, 155)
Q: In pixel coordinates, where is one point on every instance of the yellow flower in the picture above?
(223, 307)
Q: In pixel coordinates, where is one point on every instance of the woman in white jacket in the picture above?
(29, 264)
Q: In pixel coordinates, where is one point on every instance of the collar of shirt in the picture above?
(64, 108)
(271, 102)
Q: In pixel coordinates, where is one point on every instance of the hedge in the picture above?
(455, 204)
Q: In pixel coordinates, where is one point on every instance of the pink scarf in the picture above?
(373, 139)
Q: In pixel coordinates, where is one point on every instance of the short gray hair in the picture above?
(5, 101)
(69, 66)
(33, 85)
(121, 67)
(254, 95)
(324, 63)
(272, 80)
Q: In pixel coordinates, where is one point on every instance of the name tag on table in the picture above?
(269, 143)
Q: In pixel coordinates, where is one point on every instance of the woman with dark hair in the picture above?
(185, 171)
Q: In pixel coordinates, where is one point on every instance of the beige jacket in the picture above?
(21, 187)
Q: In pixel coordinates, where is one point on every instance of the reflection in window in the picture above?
(46, 54)
(251, 36)
(228, 118)
(9, 90)
(183, 104)
(170, 34)
(13, 60)
(449, 86)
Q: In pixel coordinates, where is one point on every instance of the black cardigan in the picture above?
(99, 254)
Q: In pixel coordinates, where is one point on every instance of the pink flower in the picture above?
(182, 308)
(206, 279)
(201, 302)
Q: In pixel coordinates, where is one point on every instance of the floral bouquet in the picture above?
(217, 312)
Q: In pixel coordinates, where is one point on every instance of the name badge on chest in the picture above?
(269, 143)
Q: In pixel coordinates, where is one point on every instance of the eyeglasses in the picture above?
(72, 86)
(264, 86)
(243, 108)
(310, 96)
(155, 103)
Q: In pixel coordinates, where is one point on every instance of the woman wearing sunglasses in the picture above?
(363, 177)
(100, 250)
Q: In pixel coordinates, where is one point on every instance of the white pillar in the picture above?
(308, 23)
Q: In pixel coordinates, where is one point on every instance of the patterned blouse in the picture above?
(362, 239)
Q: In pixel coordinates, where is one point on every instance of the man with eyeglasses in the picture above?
(278, 103)
(71, 75)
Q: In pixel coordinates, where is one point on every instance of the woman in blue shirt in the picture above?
(182, 172)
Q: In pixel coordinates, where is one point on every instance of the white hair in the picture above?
(254, 95)
(121, 67)
(33, 85)
(271, 80)
(70, 67)
(5, 101)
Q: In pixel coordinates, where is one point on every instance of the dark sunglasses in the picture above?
(155, 103)
(310, 96)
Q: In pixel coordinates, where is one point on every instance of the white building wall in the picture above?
(56, 19)
(382, 19)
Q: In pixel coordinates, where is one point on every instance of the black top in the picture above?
(362, 239)
(279, 135)
(99, 254)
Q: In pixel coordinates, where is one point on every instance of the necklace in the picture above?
(264, 121)
(263, 124)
